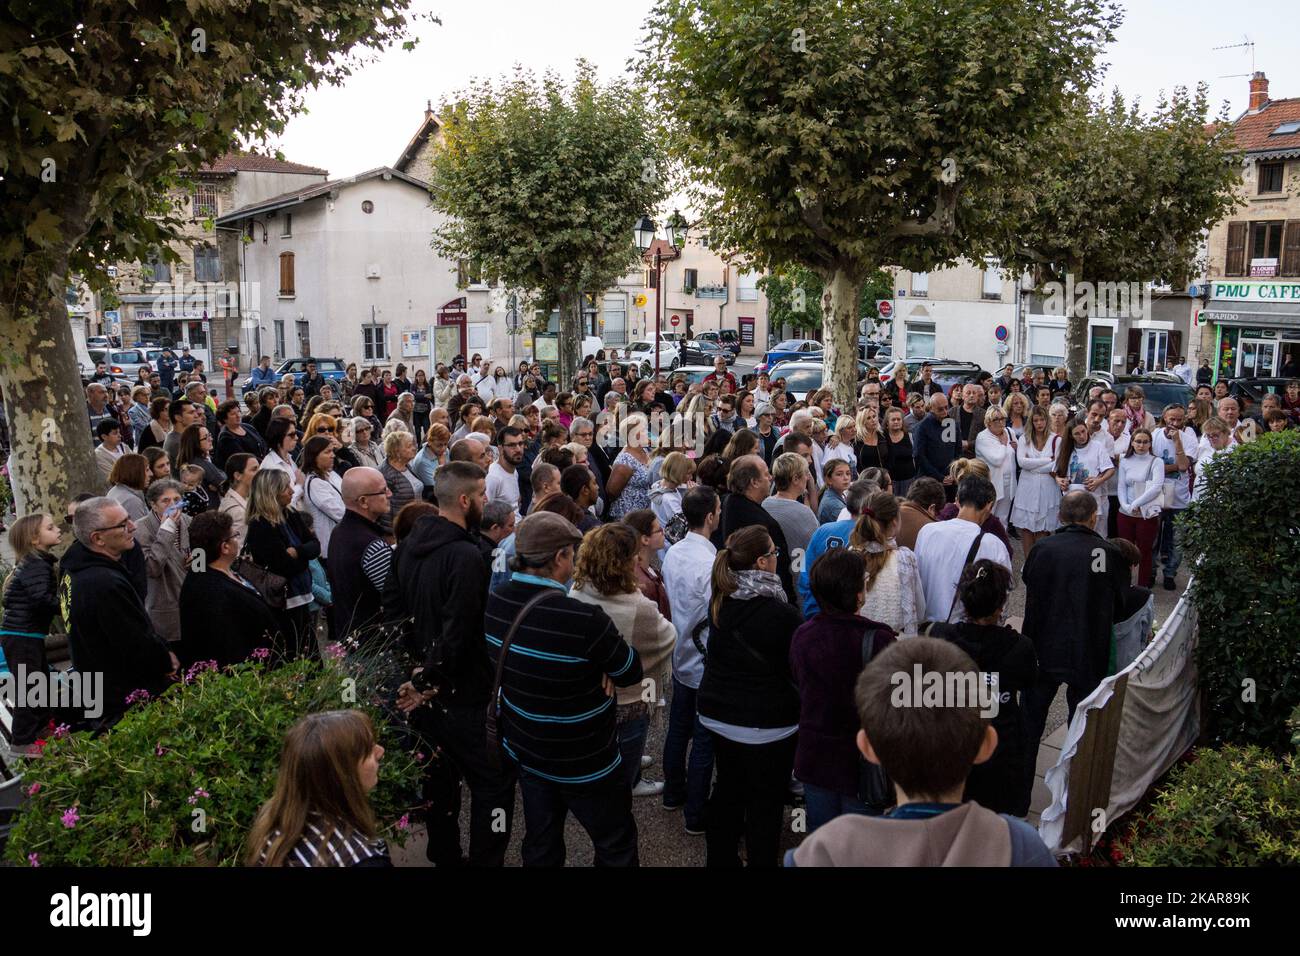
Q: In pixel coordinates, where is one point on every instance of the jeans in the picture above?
(687, 783)
(1171, 545)
(461, 732)
(604, 809)
(1035, 702)
(631, 745)
(825, 805)
(748, 800)
(26, 656)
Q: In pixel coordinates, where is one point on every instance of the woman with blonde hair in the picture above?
(399, 452)
(320, 813)
(606, 576)
(31, 599)
(1038, 498)
(894, 595)
(843, 444)
(433, 454)
(870, 452)
(996, 447)
(1060, 383)
(1016, 407)
(280, 540)
(675, 477)
(628, 489)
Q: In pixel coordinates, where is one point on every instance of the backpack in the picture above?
(676, 529)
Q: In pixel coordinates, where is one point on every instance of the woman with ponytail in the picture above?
(892, 580)
(748, 700)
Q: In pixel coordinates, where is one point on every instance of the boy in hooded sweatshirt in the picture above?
(928, 752)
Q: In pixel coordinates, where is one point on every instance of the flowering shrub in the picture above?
(180, 779)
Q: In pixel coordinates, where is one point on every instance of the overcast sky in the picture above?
(367, 123)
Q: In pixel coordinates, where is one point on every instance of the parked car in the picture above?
(947, 372)
(1159, 389)
(122, 362)
(788, 351)
(333, 369)
(805, 376)
(693, 374)
(729, 339)
(643, 355)
(705, 352)
(1250, 392)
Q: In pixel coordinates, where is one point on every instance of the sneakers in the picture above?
(673, 807)
(648, 788)
(646, 761)
(695, 829)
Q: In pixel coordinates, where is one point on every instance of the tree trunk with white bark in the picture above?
(51, 459)
(840, 331)
(571, 335)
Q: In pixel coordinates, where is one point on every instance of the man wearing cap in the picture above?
(438, 580)
(557, 710)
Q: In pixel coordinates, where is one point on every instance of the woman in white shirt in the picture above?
(241, 468)
(996, 447)
(1141, 482)
(1084, 464)
(282, 440)
(1038, 499)
(1217, 437)
(893, 581)
(323, 493)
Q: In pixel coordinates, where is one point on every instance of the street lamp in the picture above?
(675, 231)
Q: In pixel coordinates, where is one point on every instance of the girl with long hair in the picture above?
(239, 484)
(1084, 464)
(1038, 499)
(1140, 486)
(320, 813)
(280, 541)
(748, 701)
(892, 577)
(31, 600)
(323, 492)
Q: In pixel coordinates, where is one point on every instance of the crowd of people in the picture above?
(562, 564)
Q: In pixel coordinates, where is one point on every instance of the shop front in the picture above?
(1257, 327)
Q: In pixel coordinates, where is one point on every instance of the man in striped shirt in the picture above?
(556, 702)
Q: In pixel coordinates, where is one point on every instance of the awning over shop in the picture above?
(1267, 314)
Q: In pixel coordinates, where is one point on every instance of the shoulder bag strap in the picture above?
(970, 556)
(493, 708)
(697, 633)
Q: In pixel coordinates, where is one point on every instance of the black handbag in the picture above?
(273, 588)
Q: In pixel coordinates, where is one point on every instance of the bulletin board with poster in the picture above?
(415, 343)
(445, 340)
(546, 352)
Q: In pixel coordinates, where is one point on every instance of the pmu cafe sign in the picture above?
(1257, 291)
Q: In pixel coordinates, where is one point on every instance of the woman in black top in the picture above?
(423, 401)
(236, 435)
(31, 600)
(748, 701)
(281, 541)
(223, 618)
(870, 445)
(899, 460)
(1000, 784)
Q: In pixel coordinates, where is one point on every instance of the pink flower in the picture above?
(200, 792)
(334, 651)
(420, 757)
(405, 822)
(137, 696)
(61, 731)
(159, 750)
(33, 790)
(260, 654)
(70, 817)
(33, 859)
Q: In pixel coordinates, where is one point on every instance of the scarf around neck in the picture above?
(756, 584)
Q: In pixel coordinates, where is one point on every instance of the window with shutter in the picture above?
(1291, 249)
(1235, 262)
(1175, 348)
(286, 274)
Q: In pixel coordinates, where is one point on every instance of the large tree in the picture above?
(794, 297)
(107, 106)
(846, 134)
(1123, 198)
(543, 182)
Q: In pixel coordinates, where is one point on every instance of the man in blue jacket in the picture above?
(937, 443)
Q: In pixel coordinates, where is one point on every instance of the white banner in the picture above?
(1160, 720)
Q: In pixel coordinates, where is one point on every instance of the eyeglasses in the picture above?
(513, 444)
(113, 527)
(774, 553)
(371, 494)
(324, 431)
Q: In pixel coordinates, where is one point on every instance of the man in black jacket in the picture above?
(312, 380)
(109, 630)
(938, 442)
(750, 483)
(360, 558)
(439, 579)
(1075, 585)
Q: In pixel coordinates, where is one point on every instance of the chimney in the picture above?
(428, 104)
(1258, 92)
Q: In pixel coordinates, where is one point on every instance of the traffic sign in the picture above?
(1001, 332)
(675, 321)
(639, 300)
(885, 308)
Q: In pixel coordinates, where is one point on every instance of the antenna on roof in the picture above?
(1247, 43)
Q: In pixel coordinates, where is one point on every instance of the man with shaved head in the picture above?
(471, 450)
(360, 556)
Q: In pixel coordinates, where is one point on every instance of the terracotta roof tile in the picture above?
(1254, 130)
(253, 162)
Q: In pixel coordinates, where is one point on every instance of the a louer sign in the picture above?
(1257, 291)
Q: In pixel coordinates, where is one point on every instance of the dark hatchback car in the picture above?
(1158, 390)
(705, 352)
(1250, 392)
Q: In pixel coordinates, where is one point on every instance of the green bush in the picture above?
(1242, 539)
(131, 797)
(1239, 806)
